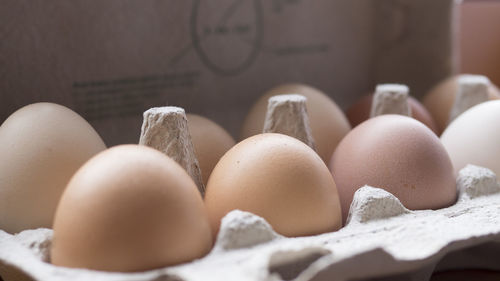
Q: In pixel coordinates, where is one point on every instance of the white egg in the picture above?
(474, 137)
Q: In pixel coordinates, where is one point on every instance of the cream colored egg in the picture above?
(41, 147)
(130, 208)
(474, 137)
(278, 178)
(210, 142)
(328, 123)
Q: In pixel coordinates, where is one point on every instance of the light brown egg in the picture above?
(278, 178)
(398, 154)
(439, 100)
(328, 122)
(41, 147)
(130, 208)
(210, 142)
(360, 112)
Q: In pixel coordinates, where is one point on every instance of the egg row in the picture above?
(131, 208)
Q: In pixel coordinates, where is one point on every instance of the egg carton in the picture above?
(382, 240)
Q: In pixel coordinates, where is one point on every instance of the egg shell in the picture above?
(439, 100)
(41, 147)
(210, 142)
(474, 137)
(398, 154)
(278, 178)
(130, 208)
(328, 122)
(360, 112)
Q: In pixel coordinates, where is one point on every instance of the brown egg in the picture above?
(328, 122)
(439, 100)
(360, 112)
(278, 178)
(210, 142)
(398, 154)
(41, 147)
(130, 208)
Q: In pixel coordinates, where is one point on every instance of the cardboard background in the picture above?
(111, 60)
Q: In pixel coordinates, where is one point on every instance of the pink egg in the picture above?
(398, 154)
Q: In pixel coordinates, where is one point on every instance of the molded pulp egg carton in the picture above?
(381, 240)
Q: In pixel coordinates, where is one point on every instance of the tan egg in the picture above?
(474, 137)
(278, 178)
(130, 208)
(360, 112)
(41, 147)
(328, 122)
(439, 100)
(210, 142)
(398, 154)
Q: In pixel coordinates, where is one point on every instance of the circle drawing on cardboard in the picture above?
(227, 42)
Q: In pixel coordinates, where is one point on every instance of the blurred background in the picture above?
(480, 38)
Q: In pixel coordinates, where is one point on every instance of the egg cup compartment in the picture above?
(382, 240)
